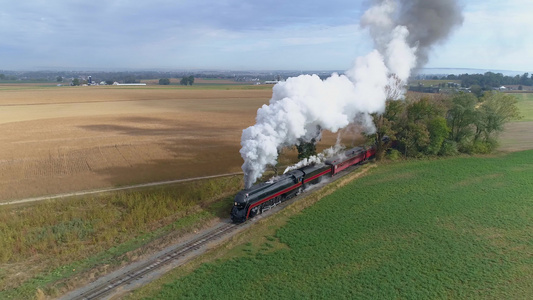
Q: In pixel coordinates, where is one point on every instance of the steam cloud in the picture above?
(404, 32)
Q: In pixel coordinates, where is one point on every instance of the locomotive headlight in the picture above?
(236, 204)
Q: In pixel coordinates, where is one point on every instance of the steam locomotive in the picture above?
(264, 196)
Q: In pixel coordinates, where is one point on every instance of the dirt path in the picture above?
(99, 191)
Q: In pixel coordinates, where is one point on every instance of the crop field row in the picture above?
(458, 228)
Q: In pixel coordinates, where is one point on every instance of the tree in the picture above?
(75, 81)
(2, 76)
(423, 128)
(164, 81)
(130, 79)
(59, 79)
(461, 116)
(306, 149)
(438, 132)
(387, 124)
(476, 90)
(524, 79)
(495, 110)
(187, 80)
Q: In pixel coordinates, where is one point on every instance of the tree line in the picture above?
(444, 125)
(8, 77)
(186, 80)
(491, 80)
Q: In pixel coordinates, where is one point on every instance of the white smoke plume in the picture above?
(301, 104)
(313, 159)
(318, 159)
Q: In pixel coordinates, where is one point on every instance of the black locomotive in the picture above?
(263, 196)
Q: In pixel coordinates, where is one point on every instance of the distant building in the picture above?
(271, 82)
(116, 83)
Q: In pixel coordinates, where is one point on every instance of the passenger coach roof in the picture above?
(353, 151)
(346, 154)
(312, 168)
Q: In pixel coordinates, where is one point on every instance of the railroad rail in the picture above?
(108, 287)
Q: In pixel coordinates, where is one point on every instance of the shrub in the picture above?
(393, 154)
(449, 148)
(484, 147)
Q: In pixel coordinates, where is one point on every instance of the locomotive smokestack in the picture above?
(404, 31)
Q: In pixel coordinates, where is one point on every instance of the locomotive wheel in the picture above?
(254, 212)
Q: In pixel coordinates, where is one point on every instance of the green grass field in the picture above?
(459, 228)
(525, 104)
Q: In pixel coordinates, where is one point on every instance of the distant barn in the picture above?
(116, 83)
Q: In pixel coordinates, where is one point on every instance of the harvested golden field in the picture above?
(517, 136)
(65, 139)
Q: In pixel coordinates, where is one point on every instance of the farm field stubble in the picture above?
(64, 139)
(518, 135)
(57, 140)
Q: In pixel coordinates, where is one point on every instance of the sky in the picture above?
(240, 35)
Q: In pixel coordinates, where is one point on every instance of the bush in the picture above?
(449, 148)
(164, 81)
(484, 147)
(394, 154)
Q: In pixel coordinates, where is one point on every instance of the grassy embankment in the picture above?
(45, 243)
(447, 228)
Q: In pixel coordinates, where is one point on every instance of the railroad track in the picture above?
(109, 287)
